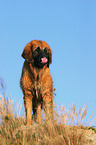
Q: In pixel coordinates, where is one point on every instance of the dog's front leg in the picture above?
(48, 108)
(28, 107)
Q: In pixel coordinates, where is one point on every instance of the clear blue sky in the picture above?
(69, 27)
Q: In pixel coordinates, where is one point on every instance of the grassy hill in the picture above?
(68, 127)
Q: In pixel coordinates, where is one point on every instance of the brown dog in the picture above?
(36, 81)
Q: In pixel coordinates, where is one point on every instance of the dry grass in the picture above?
(65, 130)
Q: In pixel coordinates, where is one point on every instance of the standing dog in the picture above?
(36, 81)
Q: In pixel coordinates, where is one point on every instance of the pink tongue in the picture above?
(44, 60)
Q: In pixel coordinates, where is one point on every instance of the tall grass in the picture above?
(66, 129)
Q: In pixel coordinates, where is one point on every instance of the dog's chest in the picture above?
(37, 79)
(37, 88)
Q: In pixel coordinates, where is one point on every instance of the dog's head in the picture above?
(38, 52)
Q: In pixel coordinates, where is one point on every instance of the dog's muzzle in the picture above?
(41, 59)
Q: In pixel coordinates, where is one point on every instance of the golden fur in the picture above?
(36, 83)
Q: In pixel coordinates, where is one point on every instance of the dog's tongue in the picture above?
(44, 60)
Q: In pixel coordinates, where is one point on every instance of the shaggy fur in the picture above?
(36, 81)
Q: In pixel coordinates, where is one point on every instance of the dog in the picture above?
(36, 81)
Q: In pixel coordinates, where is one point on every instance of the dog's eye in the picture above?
(37, 49)
(45, 49)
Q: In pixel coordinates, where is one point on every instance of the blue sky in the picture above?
(69, 27)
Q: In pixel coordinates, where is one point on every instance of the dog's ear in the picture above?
(27, 52)
(50, 55)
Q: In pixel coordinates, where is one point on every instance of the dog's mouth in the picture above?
(44, 60)
(40, 61)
